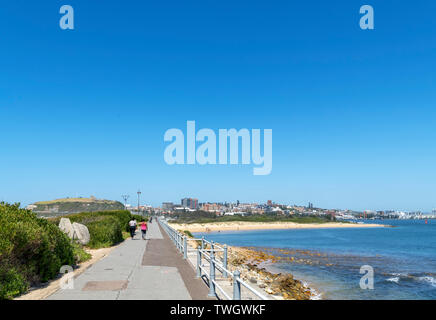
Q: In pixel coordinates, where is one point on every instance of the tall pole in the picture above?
(139, 193)
(125, 197)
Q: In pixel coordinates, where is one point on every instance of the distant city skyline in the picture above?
(194, 203)
(84, 111)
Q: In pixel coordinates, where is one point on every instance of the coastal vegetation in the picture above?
(32, 250)
(209, 217)
(105, 227)
(188, 233)
(139, 218)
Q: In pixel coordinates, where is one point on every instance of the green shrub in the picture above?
(31, 250)
(80, 254)
(105, 232)
(139, 218)
(188, 233)
(85, 218)
(12, 283)
(105, 227)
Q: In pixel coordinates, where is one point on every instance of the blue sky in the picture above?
(353, 112)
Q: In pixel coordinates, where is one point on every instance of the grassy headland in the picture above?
(74, 205)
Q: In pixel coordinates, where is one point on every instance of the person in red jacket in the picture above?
(143, 229)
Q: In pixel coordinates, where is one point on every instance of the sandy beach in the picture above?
(242, 225)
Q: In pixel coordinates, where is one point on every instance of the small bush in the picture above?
(188, 233)
(80, 254)
(139, 218)
(12, 283)
(105, 232)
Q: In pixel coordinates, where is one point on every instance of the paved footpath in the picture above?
(150, 269)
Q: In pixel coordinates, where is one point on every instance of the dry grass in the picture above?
(84, 200)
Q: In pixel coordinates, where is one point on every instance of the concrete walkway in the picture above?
(150, 269)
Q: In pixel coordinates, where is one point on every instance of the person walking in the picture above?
(144, 229)
(132, 226)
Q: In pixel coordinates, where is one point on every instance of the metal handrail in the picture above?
(222, 290)
(252, 290)
(180, 240)
(205, 272)
(213, 244)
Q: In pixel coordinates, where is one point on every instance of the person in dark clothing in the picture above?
(132, 226)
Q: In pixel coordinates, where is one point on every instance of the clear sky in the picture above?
(353, 112)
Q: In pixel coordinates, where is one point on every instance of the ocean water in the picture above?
(329, 260)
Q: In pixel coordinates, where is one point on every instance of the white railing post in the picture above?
(236, 286)
(178, 241)
(225, 261)
(212, 292)
(198, 262)
(185, 247)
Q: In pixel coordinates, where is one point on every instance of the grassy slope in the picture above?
(75, 205)
(72, 200)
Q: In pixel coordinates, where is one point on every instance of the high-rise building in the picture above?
(190, 203)
(167, 206)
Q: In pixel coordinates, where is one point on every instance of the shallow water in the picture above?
(403, 257)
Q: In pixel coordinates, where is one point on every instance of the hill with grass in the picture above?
(60, 207)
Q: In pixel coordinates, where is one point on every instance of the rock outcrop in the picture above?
(75, 231)
(66, 226)
(81, 233)
(249, 263)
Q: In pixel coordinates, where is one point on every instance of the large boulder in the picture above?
(81, 233)
(66, 226)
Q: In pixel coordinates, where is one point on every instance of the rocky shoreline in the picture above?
(251, 264)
